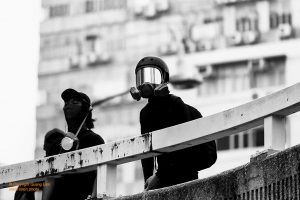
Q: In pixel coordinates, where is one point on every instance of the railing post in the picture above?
(275, 132)
(106, 181)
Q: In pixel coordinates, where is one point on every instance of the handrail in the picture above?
(268, 110)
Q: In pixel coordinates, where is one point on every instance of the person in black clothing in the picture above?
(164, 110)
(78, 115)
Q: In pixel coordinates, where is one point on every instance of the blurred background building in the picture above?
(242, 49)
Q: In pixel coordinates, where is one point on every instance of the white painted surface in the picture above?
(293, 127)
(263, 9)
(228, 122)
(106, 180)
(231, 121)
(275, 132)
(229, 20)
(295, 11)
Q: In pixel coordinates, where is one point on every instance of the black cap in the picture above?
(71, 93)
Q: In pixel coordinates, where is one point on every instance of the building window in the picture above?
(286, 18)
(91, 42)
(243, 75)
(267, 72)
(258, 137)
(245, 140)
(274, 20)
(223, 143)
(59, 10)
(99, 5)
(90, 6)
(277, 19)
(236, 141)
(247, 24)
(251, 138)
(225, 78)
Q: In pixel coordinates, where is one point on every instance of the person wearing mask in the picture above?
(78, 114)
(164, 110)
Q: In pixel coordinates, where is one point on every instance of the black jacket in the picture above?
(183, 165)
(74, 186)
(87, 138)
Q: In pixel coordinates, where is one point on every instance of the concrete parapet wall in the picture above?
(274, 176)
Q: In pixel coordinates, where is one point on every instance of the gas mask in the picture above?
(149, 82)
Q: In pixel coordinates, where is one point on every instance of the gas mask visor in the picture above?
(148, 74)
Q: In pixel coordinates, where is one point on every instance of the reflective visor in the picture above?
(148, 74)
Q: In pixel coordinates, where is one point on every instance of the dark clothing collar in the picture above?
(83, 131)
(155, 99)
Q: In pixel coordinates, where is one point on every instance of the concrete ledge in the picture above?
(274, 177)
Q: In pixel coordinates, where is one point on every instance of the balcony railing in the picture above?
(269, 111)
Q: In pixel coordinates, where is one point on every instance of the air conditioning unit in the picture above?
(168, 49)
(236, 39)
(98, 59)
(74, 62)
(250, 37)
(204, 45)
(162, 5)
(91, 58)
(207, 71)
(285, 31)
(150, 11)
(138, 11)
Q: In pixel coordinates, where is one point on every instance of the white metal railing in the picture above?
(269, 111)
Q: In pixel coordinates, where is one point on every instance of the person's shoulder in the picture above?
(178, 102)
(146, 107)
(176, 99)
(91, 135)
(195, 113)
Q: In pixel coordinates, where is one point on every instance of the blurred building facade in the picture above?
(243, 49)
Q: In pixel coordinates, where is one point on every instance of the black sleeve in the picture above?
(182, 111)
(198, 157)
(147, 163)
(96, 140)
(201, 156)
(90, 139)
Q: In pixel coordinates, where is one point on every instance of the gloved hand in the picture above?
(161, 90)
(54, 133)
(152, 183)
(135, 93)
